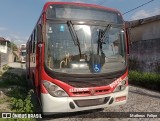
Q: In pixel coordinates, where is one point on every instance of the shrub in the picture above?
(10, 79)
(145, 79)
(5, 67)
(21, 104)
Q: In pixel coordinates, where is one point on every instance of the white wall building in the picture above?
(3, 45)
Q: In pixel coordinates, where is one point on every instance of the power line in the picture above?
(138, 7)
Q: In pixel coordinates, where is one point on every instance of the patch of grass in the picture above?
(19, 95)
(21, 102)
(5, 67)
(144, 79)
(3, 100)
(1, 72)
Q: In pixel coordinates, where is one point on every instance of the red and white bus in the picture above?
(77, 57)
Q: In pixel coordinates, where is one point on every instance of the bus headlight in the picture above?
(54, 90)
(121, 86)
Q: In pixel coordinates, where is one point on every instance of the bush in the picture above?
(21, 104)
(5, 67)
(11, 79)
(145, 79)
(20, 94)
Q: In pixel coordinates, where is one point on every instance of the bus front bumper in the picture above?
(55, 105)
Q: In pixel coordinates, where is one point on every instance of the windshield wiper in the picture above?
(101, 37)
(74, 35)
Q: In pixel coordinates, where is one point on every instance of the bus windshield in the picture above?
(101, 49)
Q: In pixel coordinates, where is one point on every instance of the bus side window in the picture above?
(39, 33)
(30, 43)
(34, 41)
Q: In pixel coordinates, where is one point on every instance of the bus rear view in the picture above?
(83, 60)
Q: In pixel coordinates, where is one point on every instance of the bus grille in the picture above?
(88, 92)
(91, 102)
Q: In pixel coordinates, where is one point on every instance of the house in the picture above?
(144, 39)
(3, 45)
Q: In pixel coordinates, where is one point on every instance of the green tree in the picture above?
(13, 46)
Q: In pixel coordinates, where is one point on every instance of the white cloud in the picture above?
(145, 13)
(16, 38)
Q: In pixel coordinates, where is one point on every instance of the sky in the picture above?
(18, 17)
